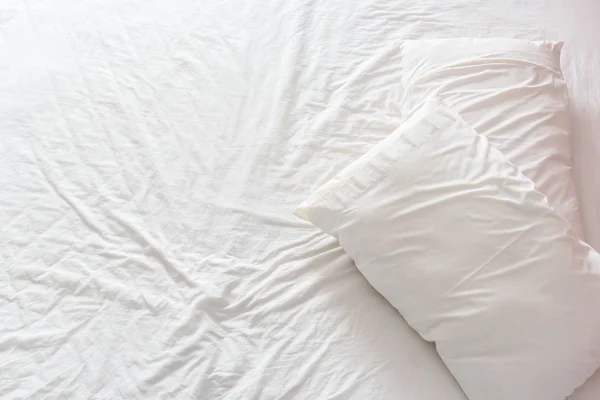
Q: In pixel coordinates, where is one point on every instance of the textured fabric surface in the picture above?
(472, 255)
(511, 91)
(152, 154)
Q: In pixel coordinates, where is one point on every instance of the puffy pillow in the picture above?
(461, 243)
(511, 91)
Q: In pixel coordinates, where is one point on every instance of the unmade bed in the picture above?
(152, 153)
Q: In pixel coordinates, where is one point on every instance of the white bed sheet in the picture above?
(151, 155)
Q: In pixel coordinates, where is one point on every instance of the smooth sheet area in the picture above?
(151, 155)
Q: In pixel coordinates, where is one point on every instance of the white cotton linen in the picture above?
(475, 259)
(511, 91)
(151, 155)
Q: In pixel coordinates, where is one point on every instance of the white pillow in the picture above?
(510, 90)
(472, 255)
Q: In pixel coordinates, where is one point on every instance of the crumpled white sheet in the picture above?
(152, 153)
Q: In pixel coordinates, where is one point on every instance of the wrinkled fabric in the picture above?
(511, 91)
(471, 255)
(152, 154)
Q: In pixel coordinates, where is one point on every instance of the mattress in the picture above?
(151, 155)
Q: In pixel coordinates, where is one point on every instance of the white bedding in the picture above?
(152, 153)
